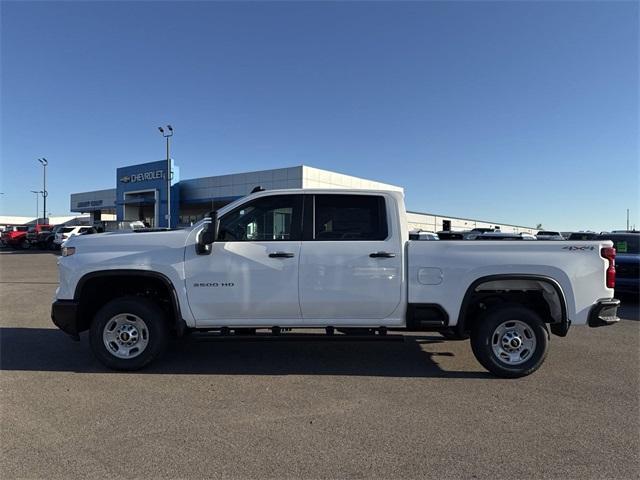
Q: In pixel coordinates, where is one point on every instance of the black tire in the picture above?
(484, 335)
(156, 332)
(453, 334)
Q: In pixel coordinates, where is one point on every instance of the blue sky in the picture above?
(520, 112)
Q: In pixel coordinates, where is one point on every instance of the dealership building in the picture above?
(142, 191)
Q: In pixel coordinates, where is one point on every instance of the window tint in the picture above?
(583, 236)
(265, 219)
(624, 243)
(350, 217)
(66, 229)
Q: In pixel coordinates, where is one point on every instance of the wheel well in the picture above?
(540, 295)
(94, 292)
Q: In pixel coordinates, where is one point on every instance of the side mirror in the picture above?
(209, 233)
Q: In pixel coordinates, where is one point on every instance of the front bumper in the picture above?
(604, 313)
(64, 314)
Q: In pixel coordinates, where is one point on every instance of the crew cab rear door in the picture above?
(351, 259)
(251, 275)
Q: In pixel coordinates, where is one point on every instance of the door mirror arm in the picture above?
(209, 233)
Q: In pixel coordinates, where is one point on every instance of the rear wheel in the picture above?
(128, 333)
(510, 341)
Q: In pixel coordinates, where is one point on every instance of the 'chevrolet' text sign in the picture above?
(141, 177)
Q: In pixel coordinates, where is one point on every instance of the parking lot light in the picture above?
(168, 135)
(44, 162)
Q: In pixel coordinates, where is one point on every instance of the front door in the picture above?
(351, 263)
(251, 275)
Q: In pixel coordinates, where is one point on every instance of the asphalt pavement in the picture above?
(411, 407)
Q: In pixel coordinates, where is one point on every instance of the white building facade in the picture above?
(139, 195)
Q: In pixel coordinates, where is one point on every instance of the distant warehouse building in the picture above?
(141, 194)
(432, 222)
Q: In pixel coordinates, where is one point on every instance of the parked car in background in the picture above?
(474, 232)
(627, 247)
(584, 236)
(422, 235)
(505, 236)
(37, 234)
(549, 235)
(115, 226)
(67, 232)
(45, 239)
(15, 236)
(451, 235)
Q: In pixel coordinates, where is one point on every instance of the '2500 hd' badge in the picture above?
(214, 284)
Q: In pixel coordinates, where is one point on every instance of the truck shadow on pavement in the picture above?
(43, 349)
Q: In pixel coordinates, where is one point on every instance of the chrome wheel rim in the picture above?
(125, 335)
(513, 342)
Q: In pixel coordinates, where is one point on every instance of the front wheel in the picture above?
(510, 341)
(128, 333)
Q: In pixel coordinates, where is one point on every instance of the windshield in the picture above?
(66, 229)
(549, 233)
(624, 243)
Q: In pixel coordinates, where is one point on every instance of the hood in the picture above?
(129, 241)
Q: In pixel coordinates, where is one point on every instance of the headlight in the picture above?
(67, 251)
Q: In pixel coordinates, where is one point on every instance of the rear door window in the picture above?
(350, 218)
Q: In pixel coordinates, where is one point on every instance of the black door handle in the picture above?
(382, 255)
(281, 255)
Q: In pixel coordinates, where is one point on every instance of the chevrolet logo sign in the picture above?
(142, 177)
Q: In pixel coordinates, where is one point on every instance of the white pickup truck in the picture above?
(340, 260)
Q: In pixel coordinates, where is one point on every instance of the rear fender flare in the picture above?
(559, 327)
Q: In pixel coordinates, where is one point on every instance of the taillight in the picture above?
(609, 253)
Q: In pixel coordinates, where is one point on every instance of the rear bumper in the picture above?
(64, 314)
(604, 313)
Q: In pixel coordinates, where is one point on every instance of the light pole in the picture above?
(44, 163)
(37, 192)
(627, 219)
(168, 134)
